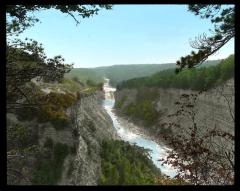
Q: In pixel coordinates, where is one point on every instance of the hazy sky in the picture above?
(127, 34)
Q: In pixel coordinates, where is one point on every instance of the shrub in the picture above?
(53, 109)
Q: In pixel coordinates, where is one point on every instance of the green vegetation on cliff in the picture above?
(125, 164)
(52, 106)
(52, 109)
(144, 110)
(196, 78)
(143, 107)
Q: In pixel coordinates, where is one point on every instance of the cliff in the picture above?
(93, 126)
(81, 163)
(213, 108)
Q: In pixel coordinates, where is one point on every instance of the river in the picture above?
(156, 150)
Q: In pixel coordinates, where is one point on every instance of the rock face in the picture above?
(92, 124)
(214, 108)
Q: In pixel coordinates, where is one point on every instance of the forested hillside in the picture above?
(196, 78)
(119, 73)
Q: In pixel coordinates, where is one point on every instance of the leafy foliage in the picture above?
(20, 17)
(224, 30)
(162, 180)
(125, 164)
(195, 79)
(142, 108)
(202, 157)
(27, 61)
(52, 109)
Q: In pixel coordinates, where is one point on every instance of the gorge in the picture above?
(122, 127)
(204, 119)
(101, 115)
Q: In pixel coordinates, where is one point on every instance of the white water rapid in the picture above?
(156, 151)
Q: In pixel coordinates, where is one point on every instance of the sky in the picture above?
(127, 34)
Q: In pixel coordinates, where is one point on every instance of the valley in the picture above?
(132, 95)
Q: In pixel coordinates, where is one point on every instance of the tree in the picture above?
(26, 60)
(202, 155)
(20, 17)
(224, 30)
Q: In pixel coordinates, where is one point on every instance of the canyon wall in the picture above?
(214, 108)
(93, 125)
(82, 166)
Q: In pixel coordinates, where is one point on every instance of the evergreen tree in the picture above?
(224, 30)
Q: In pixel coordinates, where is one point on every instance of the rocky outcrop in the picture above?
(91, 125)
